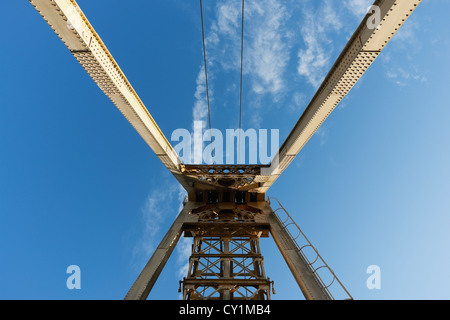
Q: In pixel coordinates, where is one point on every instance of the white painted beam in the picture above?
(71, 25)
(360, 52)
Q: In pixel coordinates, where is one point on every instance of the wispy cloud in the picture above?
(289, 47)
(322, 133)
(184, 249)
(298, 103)
(400, 64)
(268, 46)
(402, 77)
(267, 43)
(160, 207)
(200, 110)
(314, 59)
(358, 7)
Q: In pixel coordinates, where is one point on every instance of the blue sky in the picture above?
(79, 186)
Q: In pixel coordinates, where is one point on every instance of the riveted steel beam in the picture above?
(360, 52)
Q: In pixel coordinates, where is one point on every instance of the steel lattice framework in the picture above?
(226, 268)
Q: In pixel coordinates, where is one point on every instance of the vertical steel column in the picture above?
(226, 267)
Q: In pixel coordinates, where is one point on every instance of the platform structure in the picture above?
(226, 261)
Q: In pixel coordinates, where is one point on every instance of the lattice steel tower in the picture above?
(226, 224)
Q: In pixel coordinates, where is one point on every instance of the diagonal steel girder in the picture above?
(360, 52)
(72, 27)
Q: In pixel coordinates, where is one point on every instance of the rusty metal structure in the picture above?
(226, 268)
(226, 211)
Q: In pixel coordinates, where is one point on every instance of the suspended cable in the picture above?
(240, 94)
(206, 80)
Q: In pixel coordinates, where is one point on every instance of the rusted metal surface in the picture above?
(227, 269)
(236, 177)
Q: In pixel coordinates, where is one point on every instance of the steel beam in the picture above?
(310, 286)
(360, 52)
(72, 27)
(147, 278)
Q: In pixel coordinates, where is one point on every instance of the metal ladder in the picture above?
(333, 286)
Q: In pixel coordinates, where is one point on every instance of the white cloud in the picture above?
(406, 35)
(400, 63)
(322, 133)
(358, 7)
(330, 17)
(402, 77)
(184, 250)
(274, 32)
(229, 18)
(299, 102)
(200, 110)
(161, 206)
(152, 218)
(268, 46)
(314, 58)
(266, 49)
